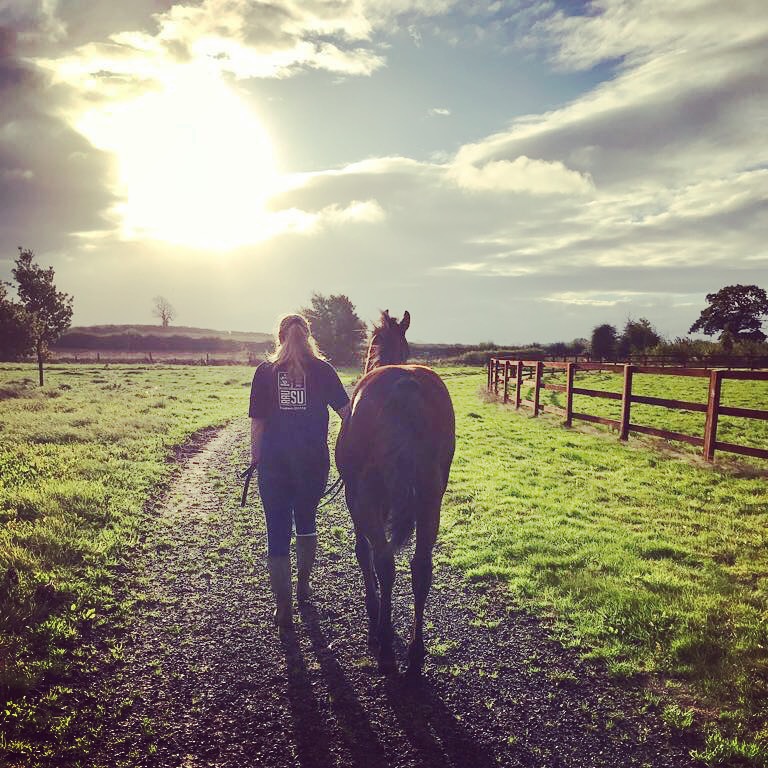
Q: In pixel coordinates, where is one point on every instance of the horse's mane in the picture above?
(379, 333)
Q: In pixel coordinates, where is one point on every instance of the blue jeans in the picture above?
(290, 498)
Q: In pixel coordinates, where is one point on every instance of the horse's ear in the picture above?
(406, 321)
(386, 320)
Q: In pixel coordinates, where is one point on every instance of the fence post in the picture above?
(569, 373)
(519, 387)
(506, 381)
(496, 377)
(488, 374)
(626, 402)
(713, 411)
(537, 387)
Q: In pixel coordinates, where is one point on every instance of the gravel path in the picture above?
(207, 682)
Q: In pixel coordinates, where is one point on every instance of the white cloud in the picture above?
(642, 30)
(295, 221)
(537, 177)
(592, 298)
(490, 269)
(34, 22)
(467, 266)
(439, 112)
(17, 174)
(274, 40)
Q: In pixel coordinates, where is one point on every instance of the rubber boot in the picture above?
(306, 550)
(280, 579)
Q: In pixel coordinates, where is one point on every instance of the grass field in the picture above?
(743, 394)
(655, 563)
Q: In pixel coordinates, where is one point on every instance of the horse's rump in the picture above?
(399, 438)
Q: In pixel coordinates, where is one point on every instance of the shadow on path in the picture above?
(309, 732)
(433, 731)
(435, 735)
(366, 751)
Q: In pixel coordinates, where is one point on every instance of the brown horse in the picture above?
(394, 453)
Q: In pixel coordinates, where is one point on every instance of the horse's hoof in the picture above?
(387, 665)
(416, 656)
(413, 672)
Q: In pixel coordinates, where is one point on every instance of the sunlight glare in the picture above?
(195, 164)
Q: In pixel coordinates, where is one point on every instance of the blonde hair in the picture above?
(294, 345)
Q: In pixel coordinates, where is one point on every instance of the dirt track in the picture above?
(205, 680)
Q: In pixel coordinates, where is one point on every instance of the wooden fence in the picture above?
(501, 371)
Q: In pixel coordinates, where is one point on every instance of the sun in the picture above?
(194, 161)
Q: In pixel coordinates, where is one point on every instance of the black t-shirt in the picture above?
(295, 412)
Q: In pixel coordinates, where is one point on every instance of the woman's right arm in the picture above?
(258, 409)
(257, 432)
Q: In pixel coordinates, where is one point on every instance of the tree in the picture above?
(736, 311)
(47, 312)
(603, 341)
(336, 327)
(15, 339)
(637, 337)
(557, 349)
(163, 309)
(578, 346)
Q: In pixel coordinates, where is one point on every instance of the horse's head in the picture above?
(388, 345)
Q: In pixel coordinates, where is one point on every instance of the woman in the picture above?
(290, 396)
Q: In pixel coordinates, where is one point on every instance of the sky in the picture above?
(510, 171)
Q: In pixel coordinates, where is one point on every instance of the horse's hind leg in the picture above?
(421, 581)
(363, 553)
(384, 562)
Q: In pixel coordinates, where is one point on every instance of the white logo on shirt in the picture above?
(292, 394)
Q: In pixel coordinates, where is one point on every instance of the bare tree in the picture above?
(162, 308)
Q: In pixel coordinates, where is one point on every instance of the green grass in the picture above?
(655, 564)
(78, 460)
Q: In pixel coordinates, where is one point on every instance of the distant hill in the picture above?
(171, 330)
(118, 341)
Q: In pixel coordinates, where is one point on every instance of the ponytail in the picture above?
(294, 346)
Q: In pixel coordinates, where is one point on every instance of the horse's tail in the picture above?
(408, 428)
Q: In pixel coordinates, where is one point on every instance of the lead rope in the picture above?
(334, 488)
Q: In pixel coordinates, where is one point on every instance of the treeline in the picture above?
(478, 354)
(640, 339)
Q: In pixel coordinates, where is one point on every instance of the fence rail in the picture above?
(751, 362)
(502, 371)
